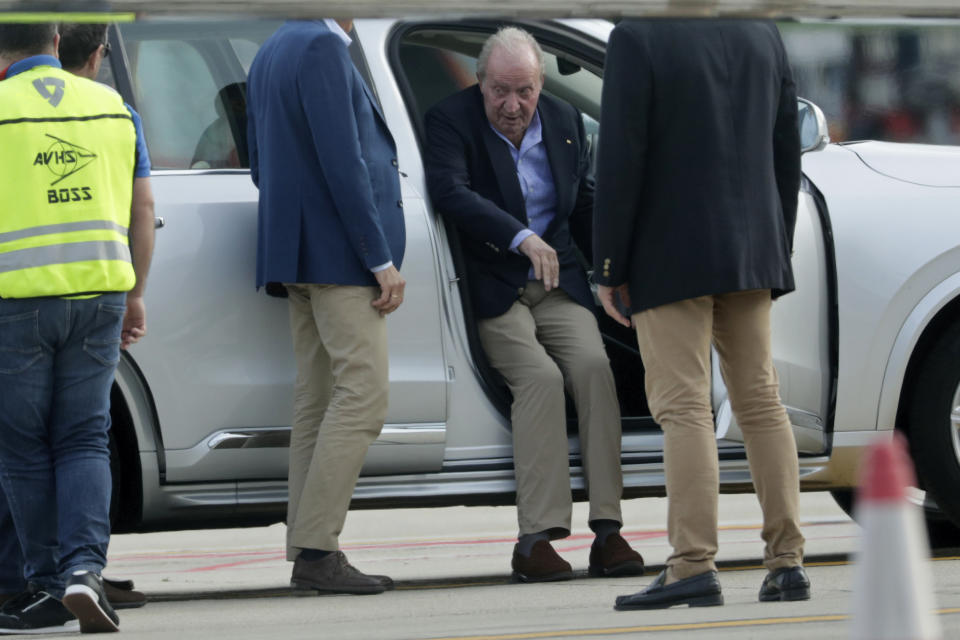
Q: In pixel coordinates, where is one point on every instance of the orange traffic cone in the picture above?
(893, 585)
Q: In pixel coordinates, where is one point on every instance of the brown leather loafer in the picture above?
(614, 559)
(543, 564)
(121, 594)
(333, 574)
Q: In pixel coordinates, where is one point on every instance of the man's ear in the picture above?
(56, 45)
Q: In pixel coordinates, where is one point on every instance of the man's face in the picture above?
(511, 88)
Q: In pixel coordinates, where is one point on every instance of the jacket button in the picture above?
(606, 274)
(395, 163)
(400, 203)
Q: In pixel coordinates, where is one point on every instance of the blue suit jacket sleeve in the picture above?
(325, 70)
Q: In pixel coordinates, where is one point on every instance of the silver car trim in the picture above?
(279, 437)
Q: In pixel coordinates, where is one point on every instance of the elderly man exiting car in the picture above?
(698, 174)
(331, 234)
(510, 167)
(67, 158)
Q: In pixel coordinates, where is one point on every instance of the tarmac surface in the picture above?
(452, 573)
(457, 545)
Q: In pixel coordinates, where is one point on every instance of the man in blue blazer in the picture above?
(510, 168)
(331, 234)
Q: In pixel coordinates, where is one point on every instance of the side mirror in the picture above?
(813, 127)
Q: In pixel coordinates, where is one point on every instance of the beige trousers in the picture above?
(340, 403)
(544, 343)
(675, 346)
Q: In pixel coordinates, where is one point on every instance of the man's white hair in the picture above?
(513, 41)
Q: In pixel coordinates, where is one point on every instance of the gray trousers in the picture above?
(544, 343)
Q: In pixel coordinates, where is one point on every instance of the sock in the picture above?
(604, 528)
(526, 541)
(313, 554)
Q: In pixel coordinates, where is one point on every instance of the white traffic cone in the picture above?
(893, 585)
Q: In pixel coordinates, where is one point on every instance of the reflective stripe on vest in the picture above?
(63, 254)
(65, 227)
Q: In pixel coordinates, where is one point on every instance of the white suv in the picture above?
(869, 342)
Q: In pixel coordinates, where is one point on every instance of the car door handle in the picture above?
(159, 223)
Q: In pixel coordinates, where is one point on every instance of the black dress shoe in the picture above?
(789, 583)
(702, 590)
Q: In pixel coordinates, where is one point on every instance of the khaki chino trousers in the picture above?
(675, 346)
(340, 403)
(544, 343)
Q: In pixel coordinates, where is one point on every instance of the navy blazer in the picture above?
(324, 161)
(698, 167)
(473, 181)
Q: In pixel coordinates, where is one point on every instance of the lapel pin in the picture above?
(569, 141)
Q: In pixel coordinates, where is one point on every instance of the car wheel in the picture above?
(934, 428)
(845, 499)
(941, 533)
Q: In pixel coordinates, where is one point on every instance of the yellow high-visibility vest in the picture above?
(67, 155)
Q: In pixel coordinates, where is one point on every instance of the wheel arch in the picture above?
(930, 318)
(135, 434)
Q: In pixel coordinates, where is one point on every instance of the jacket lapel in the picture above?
(370, 96)
(501, 161)
(562, 154)
(505, 171)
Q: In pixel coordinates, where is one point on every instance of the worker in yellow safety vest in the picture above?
(71, 292)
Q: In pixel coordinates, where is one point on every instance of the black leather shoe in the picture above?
(789, 583)
(702, 590)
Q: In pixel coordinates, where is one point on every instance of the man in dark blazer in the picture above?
(698, 174)
(509, 167)
(331, 233)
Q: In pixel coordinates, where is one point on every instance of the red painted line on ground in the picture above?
(240, 563)
(271, 555)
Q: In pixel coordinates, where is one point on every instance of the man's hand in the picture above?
(608, 300)
(391, 290)
(546, 267)
(134, 321)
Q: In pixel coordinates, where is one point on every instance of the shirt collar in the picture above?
(337, 29)
(531, 137)
(29, 63)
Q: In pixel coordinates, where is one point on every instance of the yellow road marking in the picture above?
(690, 626)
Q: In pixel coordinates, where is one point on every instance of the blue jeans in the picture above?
(57, 362)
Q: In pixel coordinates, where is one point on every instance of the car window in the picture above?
(189, 85)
